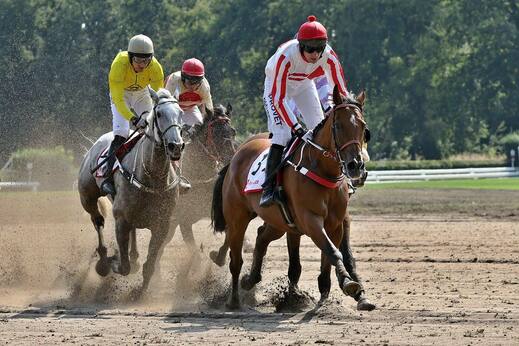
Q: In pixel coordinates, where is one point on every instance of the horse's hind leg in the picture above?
(266, 234)
(349, 262)
(91, 206)
(235, 234)
(218, 257)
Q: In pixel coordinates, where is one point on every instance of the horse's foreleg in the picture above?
(134, 253)
(266, 234)
(324, 280)
(155, 250)
(349, 262)
(294, 262)
(321, 239)
(122, 232)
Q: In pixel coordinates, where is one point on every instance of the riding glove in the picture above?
(139, 122)
(300, 132)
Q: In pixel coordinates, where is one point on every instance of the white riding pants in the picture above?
(139, 101)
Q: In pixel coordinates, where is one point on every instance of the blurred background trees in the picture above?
(441, 75)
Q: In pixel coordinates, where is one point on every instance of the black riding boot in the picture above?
(273, 160)
(108, 187)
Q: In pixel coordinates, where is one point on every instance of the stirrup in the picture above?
(267, 198)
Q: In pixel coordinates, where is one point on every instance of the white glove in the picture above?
(139, 122)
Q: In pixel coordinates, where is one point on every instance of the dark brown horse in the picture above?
(319, 211)
(209, 149)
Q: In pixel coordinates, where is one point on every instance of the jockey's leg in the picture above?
(120, 129)
(308, 104)
(273, 161)
(280, 137)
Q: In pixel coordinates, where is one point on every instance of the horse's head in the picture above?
(349, 133)
(218, 135)
(166, 123)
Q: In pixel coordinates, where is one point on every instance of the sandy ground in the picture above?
(438, 275)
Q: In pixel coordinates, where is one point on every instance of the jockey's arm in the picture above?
(117, 94)
(156, 75)
(207, 100)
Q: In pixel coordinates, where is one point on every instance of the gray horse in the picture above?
(146, 185)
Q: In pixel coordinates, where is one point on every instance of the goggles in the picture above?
(192, 79)
(311, 46)
(141, 60)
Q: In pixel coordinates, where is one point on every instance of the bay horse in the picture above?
(210, 148)
(146, 185)
(318, 210)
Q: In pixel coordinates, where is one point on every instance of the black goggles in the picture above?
(192, 79)
(310, 49)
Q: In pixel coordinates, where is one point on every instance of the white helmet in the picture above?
(140, 44)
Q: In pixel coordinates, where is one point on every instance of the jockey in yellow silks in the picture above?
(130, 74)
(190, 87)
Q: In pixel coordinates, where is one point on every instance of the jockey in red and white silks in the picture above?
(192, 90)
(289, 78)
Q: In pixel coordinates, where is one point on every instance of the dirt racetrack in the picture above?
(442, 267)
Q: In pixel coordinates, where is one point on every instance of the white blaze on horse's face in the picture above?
(353, 119)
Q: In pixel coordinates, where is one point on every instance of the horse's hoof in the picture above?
(216, 259)
(233, 305)
(246, 282)
(351, 288)
(324, 298)
(365, 305)
(102, 268)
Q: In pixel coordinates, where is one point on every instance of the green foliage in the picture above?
(53, 168)
(441, 75)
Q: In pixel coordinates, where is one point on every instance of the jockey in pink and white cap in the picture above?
(192, 91)
(289, 78)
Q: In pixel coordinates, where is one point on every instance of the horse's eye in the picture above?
(367, 135)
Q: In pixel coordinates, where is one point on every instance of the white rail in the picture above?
(442, 174)
(19, 185)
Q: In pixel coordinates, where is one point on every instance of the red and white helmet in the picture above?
(193, 67)
(312, 30)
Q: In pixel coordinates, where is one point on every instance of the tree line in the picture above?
(441, 75)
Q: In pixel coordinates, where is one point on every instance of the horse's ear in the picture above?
(229, 110)
(337, 97)
(361, 97)
(153, 95)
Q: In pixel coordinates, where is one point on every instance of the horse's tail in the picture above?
(217, 218)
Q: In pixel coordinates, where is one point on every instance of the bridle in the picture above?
(161, 133)
(339, 148)
(209, 146)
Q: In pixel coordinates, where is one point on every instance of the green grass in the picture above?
(481, 184)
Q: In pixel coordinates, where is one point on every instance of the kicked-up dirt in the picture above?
(441, 266)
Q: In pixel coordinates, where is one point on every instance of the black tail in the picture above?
(217, 218)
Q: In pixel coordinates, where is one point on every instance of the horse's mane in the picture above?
(350, 98)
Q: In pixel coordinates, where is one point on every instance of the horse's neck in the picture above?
(152, 162)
